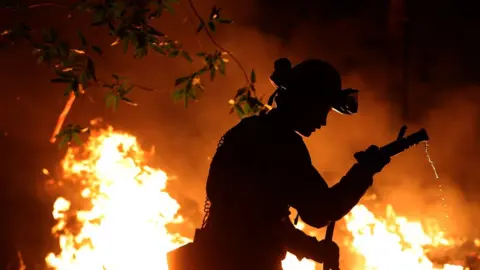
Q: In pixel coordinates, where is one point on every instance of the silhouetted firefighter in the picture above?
(262, 168)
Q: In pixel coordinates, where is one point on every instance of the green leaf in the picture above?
(83, 40)
(187, 56)
(221, 67)
(174, 53)
(211, 26)
(241, 91)
(97, 49)
(239, 110)
(116, 77)
(115, 103)
(62, 133)
(112, 101)
(189, 93)
(158, 49)
(212, 74)
(76, 138)
(178, 94)
(202, 71)
(140, 52)
(200, 26)
(253, 77)
(63, 141)
(91, 69)
(247, 108)
(225, 21)
(185, 99)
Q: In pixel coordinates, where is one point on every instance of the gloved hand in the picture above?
(330, 252)
(372, 159)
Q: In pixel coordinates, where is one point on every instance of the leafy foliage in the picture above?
(129, 23)
(245, 102)
(71, 133)
(118, 91)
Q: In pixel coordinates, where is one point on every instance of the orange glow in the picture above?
(116, 214)
(121, 221)
(393, 242)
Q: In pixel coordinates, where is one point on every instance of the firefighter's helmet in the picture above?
(313, 78)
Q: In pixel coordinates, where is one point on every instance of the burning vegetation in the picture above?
(115, 211)
(117, 219)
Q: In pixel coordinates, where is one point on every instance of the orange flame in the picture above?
(117, 213)
(121, 221)
(393, 242)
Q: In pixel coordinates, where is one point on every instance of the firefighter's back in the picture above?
(247, 203)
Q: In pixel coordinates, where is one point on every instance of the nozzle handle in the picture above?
(403, 143)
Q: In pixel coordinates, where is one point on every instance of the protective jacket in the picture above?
(261, 169)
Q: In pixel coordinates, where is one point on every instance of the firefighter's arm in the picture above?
(351, 188)
(307, 191)
(317, 204)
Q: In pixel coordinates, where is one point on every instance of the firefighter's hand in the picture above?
(330, 252)
(372, 159)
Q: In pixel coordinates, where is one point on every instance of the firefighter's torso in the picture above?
(248, 205)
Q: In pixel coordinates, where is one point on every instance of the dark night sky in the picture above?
(443, 93)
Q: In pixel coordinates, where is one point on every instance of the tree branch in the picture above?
(34, 6)
(45, 5)
(218, 45)
(68, 106)
(62, 116)
(143, 87)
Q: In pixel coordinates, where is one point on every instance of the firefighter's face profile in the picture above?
(311, 115)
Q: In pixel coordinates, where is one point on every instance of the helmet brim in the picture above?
(346, 102)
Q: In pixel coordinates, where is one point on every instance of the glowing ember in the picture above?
(392, 243)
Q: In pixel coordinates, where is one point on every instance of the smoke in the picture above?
(185, 139)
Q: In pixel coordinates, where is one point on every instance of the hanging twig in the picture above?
(220, 47)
